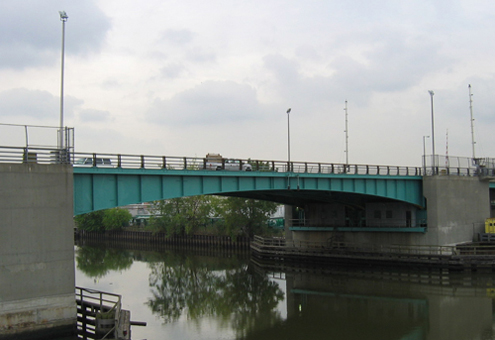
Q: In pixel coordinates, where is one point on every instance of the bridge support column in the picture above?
(288, 222)
(37, 276)
(457, 207)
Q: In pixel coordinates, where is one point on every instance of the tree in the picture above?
(181, 216)
(101, 220)
(244, 216)
(116, 218)
(92, 221)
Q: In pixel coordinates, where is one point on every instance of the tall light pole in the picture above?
(288, 140)
(346, 138)
(63, 18)
(473, 142)
(424, 154)
(432, 132)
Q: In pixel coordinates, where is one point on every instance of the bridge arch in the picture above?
(101, 188)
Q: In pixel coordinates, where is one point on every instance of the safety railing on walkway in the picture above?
(332, 245)
(361, 223)
(52, 155)
(98, 313)
(43, 155)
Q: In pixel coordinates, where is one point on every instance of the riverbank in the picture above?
(472, 257)
(150, 239)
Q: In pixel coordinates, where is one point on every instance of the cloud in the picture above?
(92, 115)
(178, 36)
(31, 31)
(37, 104)
(211, 103)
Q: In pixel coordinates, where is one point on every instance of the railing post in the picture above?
(164, 162)
(185, 163)
(94, 159)
(305, 167)
(119, 161)
(142, 162)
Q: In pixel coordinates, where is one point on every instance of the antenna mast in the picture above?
(472, 120)
(447, 149)
(346, 137)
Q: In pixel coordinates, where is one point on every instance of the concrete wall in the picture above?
(37, 275)
(457, 207)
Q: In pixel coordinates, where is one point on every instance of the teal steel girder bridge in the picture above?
(97, 188)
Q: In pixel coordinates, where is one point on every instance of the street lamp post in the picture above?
(63, 18)
(288, 140)
(432, 133)
(424, 155)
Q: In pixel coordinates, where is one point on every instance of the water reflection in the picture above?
(238, 297)
(246, 301)
(96, 262)
(376, 304)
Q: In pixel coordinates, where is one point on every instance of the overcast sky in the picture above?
(184, 78)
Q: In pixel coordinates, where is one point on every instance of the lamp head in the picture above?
(63, 16)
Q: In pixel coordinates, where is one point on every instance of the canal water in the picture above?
(199, 294)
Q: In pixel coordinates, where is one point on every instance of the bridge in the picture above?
(41, 190)
(393, 194)
(136, 179)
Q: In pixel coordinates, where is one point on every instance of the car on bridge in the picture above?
(215, 161)
(98, 162)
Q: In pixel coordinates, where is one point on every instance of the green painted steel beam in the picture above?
(103, 188)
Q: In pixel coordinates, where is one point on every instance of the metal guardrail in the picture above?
(127, 161)
(94, 303)
(47, 155)
(280, 243)
(362, 223)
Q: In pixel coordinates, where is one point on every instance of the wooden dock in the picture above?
(100, 316)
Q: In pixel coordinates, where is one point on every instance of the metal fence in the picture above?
(459, 166)
(40, 144)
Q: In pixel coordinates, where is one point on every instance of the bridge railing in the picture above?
(46, 155)
(197, 163)
(273, 244)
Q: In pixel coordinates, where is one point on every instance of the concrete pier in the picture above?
(456, 209)
(37, 277)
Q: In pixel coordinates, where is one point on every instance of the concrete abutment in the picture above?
(456, 209)
(37, 276)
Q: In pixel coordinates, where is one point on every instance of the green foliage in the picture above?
(261, 166)
(181, 216)
(115, 219)
(244, 216)
(101, 220)
(92, 221)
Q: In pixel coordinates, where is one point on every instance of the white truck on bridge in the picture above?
(215, 161)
